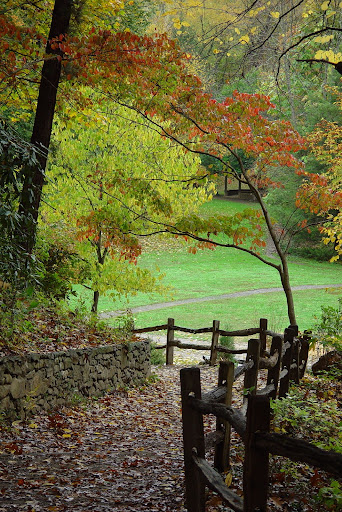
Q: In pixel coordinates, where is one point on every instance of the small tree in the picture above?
(118, 176)
(241, 123)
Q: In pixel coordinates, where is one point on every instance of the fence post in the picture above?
(256, 464)
(226, 378)
(294, 369)
(193, 437)
(170, 336)
(304, 353)
(273, 373)
(214, 342)
(286, 365)
(251, 375)
(262, 336)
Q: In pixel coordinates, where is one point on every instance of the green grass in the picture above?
(221, 271)
(242, 312)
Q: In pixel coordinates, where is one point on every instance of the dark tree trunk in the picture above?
(41, 133)
(95, 304)
(101, 256)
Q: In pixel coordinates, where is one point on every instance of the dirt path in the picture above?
(122, 452)
(246, 293)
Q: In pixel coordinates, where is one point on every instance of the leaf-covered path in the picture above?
(122, 452)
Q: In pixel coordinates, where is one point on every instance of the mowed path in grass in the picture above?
(247, 293)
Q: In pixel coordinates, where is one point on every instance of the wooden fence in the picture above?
(253, 428)
(214, 348)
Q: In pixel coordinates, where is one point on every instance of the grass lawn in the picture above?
(222, 271)
(242, 312)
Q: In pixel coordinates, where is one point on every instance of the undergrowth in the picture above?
(32, 323)
(311, 411)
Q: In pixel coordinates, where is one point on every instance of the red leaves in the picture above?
(14, 448)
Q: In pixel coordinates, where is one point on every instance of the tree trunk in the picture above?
(41, 133)
(285, 281)
(101, 256)
(96, 297)
(283, 267)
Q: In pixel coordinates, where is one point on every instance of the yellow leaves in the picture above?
(192, 3)
(177, 23)
(329, 56)
(244, 39)
(215, 50)
(323, 39)
(228, 480)
(334, 258)
(275, 14)
(279, 430)
(253, 30)
(237, 30)
(325, 6)
(33, 425)
(254, 12)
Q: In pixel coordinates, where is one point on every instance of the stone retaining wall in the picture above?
(32, 382)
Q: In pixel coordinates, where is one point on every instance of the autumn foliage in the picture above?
(321, 194)
(151, 76)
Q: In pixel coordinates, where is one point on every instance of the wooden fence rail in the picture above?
(286, 360)
(214, 348)
(253, 428)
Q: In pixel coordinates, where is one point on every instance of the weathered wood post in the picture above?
(170, 336)
(304, 353)
(222, 450)
(256, 464)
(286, 364)
(294, 368)
(262, 336)
(273, 373)
(251, 375)
(214, 342)
(193, 437)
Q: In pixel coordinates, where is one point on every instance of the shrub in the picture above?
(228, 342)
(328, 329)
(309, 411)
(60, 265)
(158, 357)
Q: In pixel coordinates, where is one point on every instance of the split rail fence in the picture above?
(251, 422)
(214, 348)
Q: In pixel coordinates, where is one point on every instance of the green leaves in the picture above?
(123, 182)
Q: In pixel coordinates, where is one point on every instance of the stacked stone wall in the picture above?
(33, 382)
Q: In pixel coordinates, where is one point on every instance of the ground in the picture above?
(122, 452)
